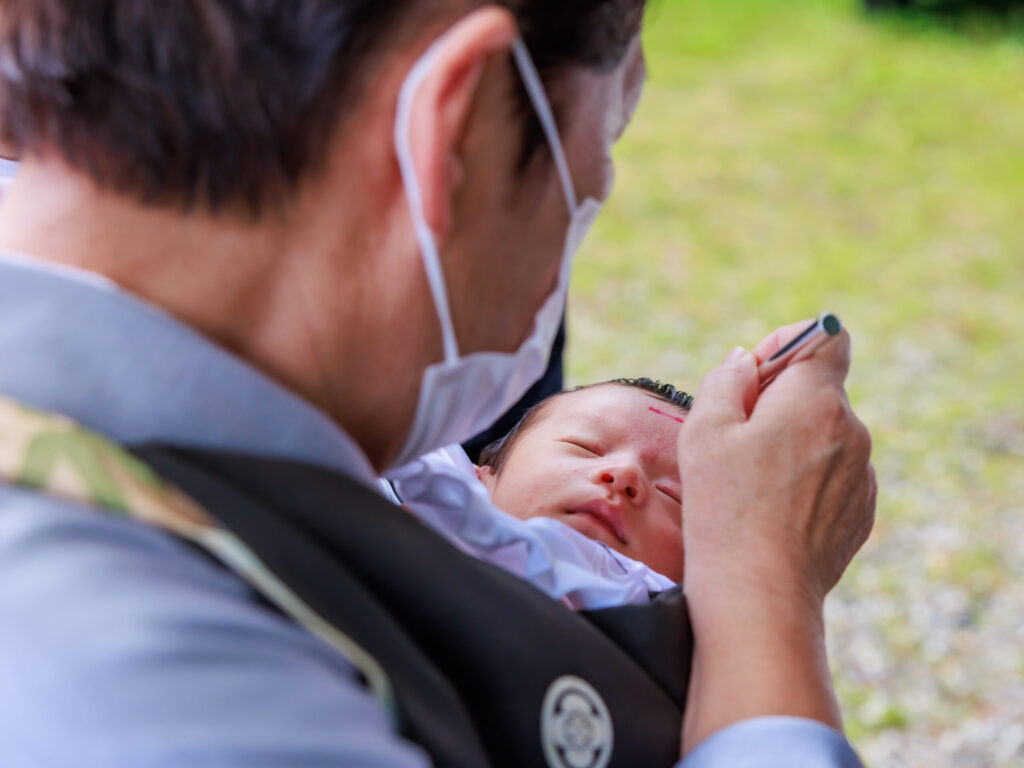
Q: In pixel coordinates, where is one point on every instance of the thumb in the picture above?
(728, 393)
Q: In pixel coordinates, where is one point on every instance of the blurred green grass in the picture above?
(793, 156)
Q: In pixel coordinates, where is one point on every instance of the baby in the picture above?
(581, 498)
(601, 460)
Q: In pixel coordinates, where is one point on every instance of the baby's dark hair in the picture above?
(495, 454)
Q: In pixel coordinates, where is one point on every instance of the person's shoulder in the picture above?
(52, 549)
(138, 649)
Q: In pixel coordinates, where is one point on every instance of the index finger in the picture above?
(779, 338)
(835, 354)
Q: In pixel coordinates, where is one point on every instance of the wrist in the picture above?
(759, 652)
(746, 585)
(754, 622)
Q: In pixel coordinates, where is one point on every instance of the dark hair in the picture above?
(231, 103)
(495, 454)
(665, 391)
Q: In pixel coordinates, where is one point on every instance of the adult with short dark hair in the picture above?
(266, 251)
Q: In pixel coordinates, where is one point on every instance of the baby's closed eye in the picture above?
(584, 445)
(671, 493)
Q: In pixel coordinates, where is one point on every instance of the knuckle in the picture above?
(716, 377)
(695, 423)
(868, 522)
(835, 413)
(698, 438)
(691, 436)
(864, 444)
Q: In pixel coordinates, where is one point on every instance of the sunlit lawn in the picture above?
(793, 156)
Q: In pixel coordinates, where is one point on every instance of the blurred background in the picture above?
(793, 156)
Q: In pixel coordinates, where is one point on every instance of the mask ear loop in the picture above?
(542, 105)
(414, 195)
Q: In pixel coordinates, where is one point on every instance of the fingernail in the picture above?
(736, 354)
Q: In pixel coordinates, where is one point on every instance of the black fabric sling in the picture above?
(473, 654)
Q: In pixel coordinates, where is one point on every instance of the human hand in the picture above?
(778, 495)
(778, 489)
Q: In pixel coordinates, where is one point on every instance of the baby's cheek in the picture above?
(545, 491)
(544, 488)
(670, 552)
(530, 499)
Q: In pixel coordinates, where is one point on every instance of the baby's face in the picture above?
(602, 461)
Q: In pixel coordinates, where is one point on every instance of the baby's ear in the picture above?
(485, 475)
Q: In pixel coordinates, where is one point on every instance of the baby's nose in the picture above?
(625, 480)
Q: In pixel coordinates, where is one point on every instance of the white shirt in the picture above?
(443, 491)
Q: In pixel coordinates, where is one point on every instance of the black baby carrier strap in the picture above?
(476, 666)
(474, 654)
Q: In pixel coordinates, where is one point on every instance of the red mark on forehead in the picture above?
(666, 415)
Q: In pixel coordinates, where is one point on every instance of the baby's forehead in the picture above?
(609, 406)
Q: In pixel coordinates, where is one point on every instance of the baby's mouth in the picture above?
(606, 514)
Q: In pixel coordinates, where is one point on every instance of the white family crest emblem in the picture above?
(576, 727)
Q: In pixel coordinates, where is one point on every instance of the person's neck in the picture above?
(52, 214)
(269, 291)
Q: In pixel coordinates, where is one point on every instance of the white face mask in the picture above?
(464, 395)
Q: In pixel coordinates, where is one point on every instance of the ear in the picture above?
(443, 104)
(486, 476)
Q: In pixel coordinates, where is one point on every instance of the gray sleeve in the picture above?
(120, 646)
